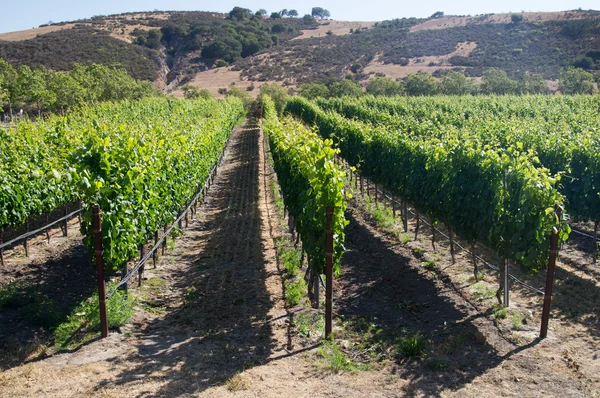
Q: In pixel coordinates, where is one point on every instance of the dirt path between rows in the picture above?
(212, 321)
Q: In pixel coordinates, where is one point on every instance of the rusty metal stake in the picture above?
(475, 266)
(596, 241)
(124, 273)
(550, 279)
(66, 223)
(25, 243)
(507, 283)
(141, 270)
(48, 230)
(316, 289)
(164, 243)
(97, 226)
(417, 227)
(362, 186)
(405, 215)
(154, 254)
(451, 236)
(1, 250)
(328, 274)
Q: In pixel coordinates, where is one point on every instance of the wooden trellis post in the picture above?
(97, 226)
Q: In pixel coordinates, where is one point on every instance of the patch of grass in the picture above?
(43, 312)
(483, 291)
(309, 324)
(383, 216)
(31, 303)
(289, 257)
(154, 283)
(454, 343)
(428, 265)
(237, 383)
(334, 359)
(411, 346)
(481, 275)
(190, 296)
(277, 197)
(154, 307)
(418, 252)
(436, 364)
(367, 339)
(303, 324)
(295, 291)
(405, 239)
(84, 321)
(517, 321)
(11, 294)
(500, 311)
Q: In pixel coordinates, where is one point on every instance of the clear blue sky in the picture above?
(32, 13)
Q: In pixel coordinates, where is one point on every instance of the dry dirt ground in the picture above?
(211, 319)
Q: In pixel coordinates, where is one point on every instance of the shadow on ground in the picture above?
(221, 328)
(383, 298)
(45, 294)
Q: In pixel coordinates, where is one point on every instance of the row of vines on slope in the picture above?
(497, 198)
(561, 133)
(143, 167)
(310, 182)
(140, 161)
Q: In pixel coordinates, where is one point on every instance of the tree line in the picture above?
(494, 81)
(44, 90)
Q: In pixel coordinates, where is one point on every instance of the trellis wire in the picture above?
(491, 266)
(37, 231)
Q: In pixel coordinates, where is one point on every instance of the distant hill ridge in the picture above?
(214, 50)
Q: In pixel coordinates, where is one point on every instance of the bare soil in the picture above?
(211, 319)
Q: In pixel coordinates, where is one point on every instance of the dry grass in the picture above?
(451, 22)
(214, 79)
(338, 28)
(32, 33)
(109, 22)
(421, 64)
(237, 383)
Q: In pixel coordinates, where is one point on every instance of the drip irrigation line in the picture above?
(582, 233)
(37, 231)
(491, 266)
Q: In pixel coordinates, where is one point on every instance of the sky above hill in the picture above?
(32, 13)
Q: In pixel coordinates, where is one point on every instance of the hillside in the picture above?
(176, 48)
